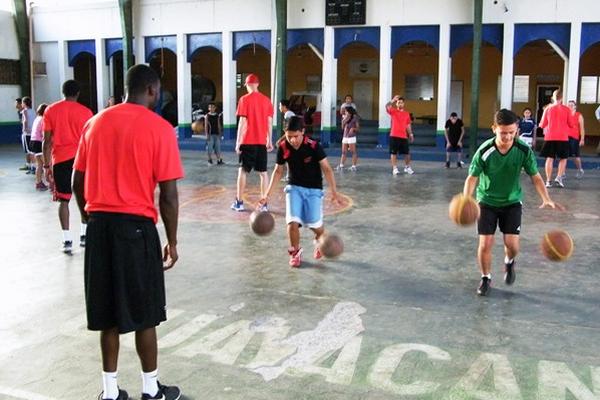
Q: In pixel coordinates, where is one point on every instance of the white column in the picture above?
(139, 46)
(572, 81)
(184, 86)
(229, 88)
(329, 86)
(385, 81)
(444, 77)
(102, 81)
(506, 91)
(65, 72)
(111, 77)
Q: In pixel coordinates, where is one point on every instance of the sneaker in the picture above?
(264, 207)
(353, 168)
(220, 162)
(579, 174)
(82, 241)
(484, 286)
(509, 273)
(458, 164)
(210, 162)
(409, 170)
(122, 395)
(548, 184)
(395, 171)
(237, 205)
(295, 257)
(41, 187)
(447, 164)
(24, 168)
(339, 167)
(67, 247)
(164, 393)
(559, 182)
(317, 255)
(30, 171)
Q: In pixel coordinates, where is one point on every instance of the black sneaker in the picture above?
(447, 164)
(220, 162)
(122, 395)
(82, 240)
(484, 286)
(67, 247)
(458, 164)
(509, 273)
(164, 393)
(210, 162)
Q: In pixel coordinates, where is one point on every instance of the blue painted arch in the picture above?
(297, 37)
(590, 35)
(199, 41)
(402, 35)
(155, 43)
(242, 40)
(463, 34)
(76, 47)
(112, 47)
(348, 36)
(560, 34)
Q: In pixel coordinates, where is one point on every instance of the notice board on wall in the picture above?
(345, 12)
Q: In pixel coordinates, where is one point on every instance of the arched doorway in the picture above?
(117, 84)
(415, 77)
(254, 59)
(206, 81)
(589, 93)
(164, 62)
(84, 72)
(303, 84)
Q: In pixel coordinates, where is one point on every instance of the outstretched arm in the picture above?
(540, 187)
(275, 177)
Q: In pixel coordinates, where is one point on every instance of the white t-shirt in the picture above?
(344, 105)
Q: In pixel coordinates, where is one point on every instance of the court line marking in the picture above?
(22, 394)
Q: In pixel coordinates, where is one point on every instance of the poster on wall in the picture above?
(364, 68)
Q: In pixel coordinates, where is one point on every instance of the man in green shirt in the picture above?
(497, 166)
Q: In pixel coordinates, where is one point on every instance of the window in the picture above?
(418, 87)
(39, 68)
(521, 89)
(9, 72)
(588, 89)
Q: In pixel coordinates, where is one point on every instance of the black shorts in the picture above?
(555, 149)
(62, 173)
(253, 157)
(26, 142)
(398, 145)
(508, 219)
(35, 147)
(454, 148)
(123, 272)
(574, 147)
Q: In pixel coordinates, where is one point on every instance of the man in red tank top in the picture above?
(576, 137)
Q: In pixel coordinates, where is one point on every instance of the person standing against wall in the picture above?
(255, 111)
(63, 124)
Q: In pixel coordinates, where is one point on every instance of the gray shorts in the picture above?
(213, 144)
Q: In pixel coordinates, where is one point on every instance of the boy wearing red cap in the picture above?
(255, 111)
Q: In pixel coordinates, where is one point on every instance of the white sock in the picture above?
(508, 260)
(109, 384)
(150, 382)
(83, 229)
(67, 236)
(489, 276)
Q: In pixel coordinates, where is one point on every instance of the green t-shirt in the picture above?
(500, 174)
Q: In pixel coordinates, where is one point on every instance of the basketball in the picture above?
(197, 126)
(463, 210)
(262, 222)
(331, 245)
(557, 245)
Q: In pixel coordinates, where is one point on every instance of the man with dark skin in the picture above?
(118, 204)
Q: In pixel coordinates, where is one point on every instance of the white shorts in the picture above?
(349, 140)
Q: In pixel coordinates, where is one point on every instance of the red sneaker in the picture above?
(295, 257)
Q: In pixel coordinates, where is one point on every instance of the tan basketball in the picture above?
(331, 245)
(463, 210)
(197, 126)
(557, 245)
(262, 222)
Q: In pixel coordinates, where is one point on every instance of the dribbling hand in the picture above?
(170, 256)
(553, 205)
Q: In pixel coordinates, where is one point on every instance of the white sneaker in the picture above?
(395, 171)
(408, 170)
(353, 168)
(339, 168)
(548, 184)
(579, 174)
(559, 182)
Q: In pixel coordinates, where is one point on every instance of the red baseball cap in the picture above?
(252, 78)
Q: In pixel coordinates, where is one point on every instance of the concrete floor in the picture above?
(395, 317)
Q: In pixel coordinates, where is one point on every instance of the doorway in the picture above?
(363, 98)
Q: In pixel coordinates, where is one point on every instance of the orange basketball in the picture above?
(197, 126)
(331, 245)
(262, 222)
(463, 210)
(557, 245)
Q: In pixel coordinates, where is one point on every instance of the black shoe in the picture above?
(447, 164)
(458, 164)
(484, 286)
(122, 395)
(67, 247)
(82, 240)
(220, 162)
(164, 393)
(509, 273)
(210, 161)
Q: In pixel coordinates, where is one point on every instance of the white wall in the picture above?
(9, 49)
(47, 88)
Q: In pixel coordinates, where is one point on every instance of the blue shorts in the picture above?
(304, 206)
